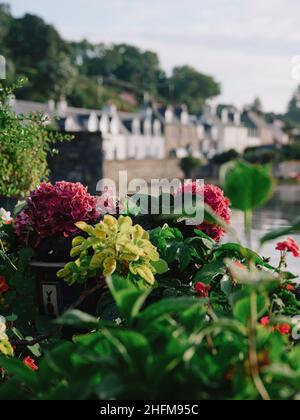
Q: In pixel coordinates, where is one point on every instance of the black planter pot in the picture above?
(55, 296)
(8, 203)
(297, 292)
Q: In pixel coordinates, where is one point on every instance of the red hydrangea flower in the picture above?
(202, 289)
(265, 321)
(289, 246)
(54, 209)
(214, 197)
(3, 285)
(30, 363)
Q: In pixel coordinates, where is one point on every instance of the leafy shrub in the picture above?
(225, 157)
(25, 142)
(116, 245)
(189, 165)
(216, 323)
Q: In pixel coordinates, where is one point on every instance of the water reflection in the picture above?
(279, 212)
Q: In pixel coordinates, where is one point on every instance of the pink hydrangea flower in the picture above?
(54, 209)
(214, 197)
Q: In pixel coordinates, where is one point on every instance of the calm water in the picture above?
(279, 212)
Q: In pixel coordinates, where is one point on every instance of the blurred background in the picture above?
(171, 88)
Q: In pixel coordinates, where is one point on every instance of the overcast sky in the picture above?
(246, 45)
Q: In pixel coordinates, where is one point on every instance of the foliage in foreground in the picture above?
(175, 348)
(219, 321)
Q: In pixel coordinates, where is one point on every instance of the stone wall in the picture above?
(79, 160)
(144, 169)
(288, 169)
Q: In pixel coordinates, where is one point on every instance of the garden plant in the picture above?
(183, 313)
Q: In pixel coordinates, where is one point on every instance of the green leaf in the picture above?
(248, 186)
(20, 371)
(242, 308)
(128, 298)
(165, 307)
(78, 319)
(161, 266)
(210, 271)
(184, 256)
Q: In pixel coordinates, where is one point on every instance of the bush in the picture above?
(218, 322)
(25, 142)
(225, 157)
(262, 155)
(291, 152)
(189, 165)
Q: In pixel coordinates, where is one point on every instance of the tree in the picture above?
(193, 88)
(5, 22)
(41, 55)
(140, 69)
(256, 106)
(293, 113)
(77, 70)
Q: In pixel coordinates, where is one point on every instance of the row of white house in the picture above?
(156, 133)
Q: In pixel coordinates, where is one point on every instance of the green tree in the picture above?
(5, 22)
(293, 113)
(193, 88)
(257, 106)
(40, 54)
(140, 69)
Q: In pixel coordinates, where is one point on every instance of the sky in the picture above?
(247, 45)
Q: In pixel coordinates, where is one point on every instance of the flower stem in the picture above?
(248, 227)
(253, 350)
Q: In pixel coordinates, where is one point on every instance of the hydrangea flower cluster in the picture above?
(54, 209)
(214, 197)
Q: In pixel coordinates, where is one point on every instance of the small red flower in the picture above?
(289, 246)
(265, 321)
(30, 363)
(289, 287)
(284, 329)
(202, 289)
(3, 285)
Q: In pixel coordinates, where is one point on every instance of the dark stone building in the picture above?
(79, 160)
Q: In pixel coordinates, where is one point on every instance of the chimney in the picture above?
(214, 133)
(184, 117)
(169, 114)
(237, 117)
(62, 107)
(200, 131)
(224, 116)
(51, 105)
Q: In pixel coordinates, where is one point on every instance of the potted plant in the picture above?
(25, 142)
(47, 224)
